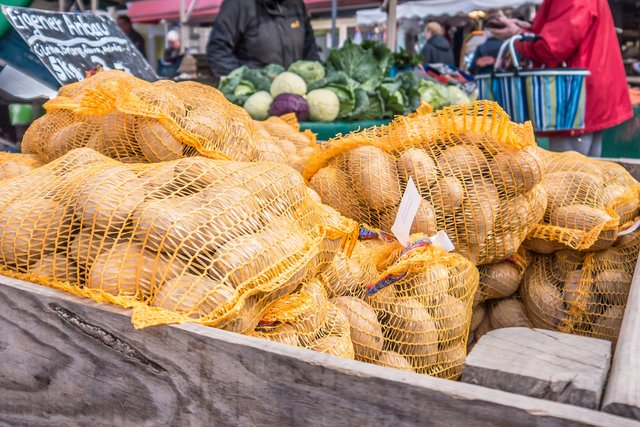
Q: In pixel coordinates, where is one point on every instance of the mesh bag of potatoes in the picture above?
(16, 164)
(502, 279)
(589, 200)
(135, 121)
(478, 173)
(407, 308)
(581, 293)
(284, 142)
(192, 240)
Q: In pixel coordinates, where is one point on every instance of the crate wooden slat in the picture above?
(622, 396)
(69, 361)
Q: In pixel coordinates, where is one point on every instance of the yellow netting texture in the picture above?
(502, 279)
(16, 164)
(589, 200)
(135, 121)
(581, 293)
(406, 308)
(478, 174)
(191, 240)
(283, 142)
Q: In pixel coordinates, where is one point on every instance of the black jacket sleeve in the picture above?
(225, 34)
(310, 46)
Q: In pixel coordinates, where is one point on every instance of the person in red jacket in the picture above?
(580, 34)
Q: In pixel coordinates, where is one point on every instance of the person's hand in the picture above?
(484, 61)
(510, 29)
(522, 24)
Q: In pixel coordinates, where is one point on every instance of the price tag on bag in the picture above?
(406, 213)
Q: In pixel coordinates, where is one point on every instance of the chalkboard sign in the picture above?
(70, 44)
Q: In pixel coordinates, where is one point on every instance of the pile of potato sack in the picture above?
(165, 198)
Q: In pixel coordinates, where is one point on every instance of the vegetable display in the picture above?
(358, 74)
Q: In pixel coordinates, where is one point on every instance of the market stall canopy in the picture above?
(153, 11)
(425, 8)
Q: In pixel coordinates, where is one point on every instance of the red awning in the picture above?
(153, 11)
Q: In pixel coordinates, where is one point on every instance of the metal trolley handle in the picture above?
(510, 45)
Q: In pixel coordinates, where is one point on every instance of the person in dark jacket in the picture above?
(485, 56)
(437, 49)
(257, 33)
(124, 22)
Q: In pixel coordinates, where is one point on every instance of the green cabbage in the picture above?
(258, 104)
(324, 105)
(310, 71)
(288, 83)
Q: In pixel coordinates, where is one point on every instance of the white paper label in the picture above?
(406, 213)
(631, 229)
(442, 240)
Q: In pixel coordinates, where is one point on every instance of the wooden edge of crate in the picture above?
(67, 360)
(622, 396)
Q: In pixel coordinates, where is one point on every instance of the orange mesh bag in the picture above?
(406, 308)
(135, 121)
(589, 200)
(581, 293)
(16, 164)
(478, 175)
(192, 240)
(284, 142)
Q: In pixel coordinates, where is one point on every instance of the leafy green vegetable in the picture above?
(310, 71)
(402, 59)
(393, 96)
(272, 70)
(347, 99)
(244, 88)
(434, 94)
(361, 62)
(367, 107)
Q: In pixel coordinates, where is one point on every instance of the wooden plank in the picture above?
(66, 361)
(539, 363)
(623, 389)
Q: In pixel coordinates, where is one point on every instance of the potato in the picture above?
(164, 101)
(156, 143)
(541, 246)
(517, 170)
(313, 195)
(429, 287)
(411, 332)
(12, 169)
(252, 255)
(118, 136)
(608, 324)
(480, 211)
(284, 334)
(374, 176)
(569, 260)
(366, 333)
(477, 316)
(450, 318)
(75, 135)
(579, 217)
(268, 152)
(56, 266)
(508, 313)
(446, 195)
(106, 199)
(462, 161)
(542, 299)
(343, 277)
(31, 228)
(450, 361)
(216, 132)
(416, 163)
(335, 323)
(335, 190)
(128, 270)
(340, 346)
(499, 280)
(315, 314)
(483, 328)
(614, 285)
(605, 240)
(195, 296)
(246, 317)
(572, 188)
(391, 359)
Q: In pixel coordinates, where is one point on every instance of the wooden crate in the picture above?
(71, 361)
